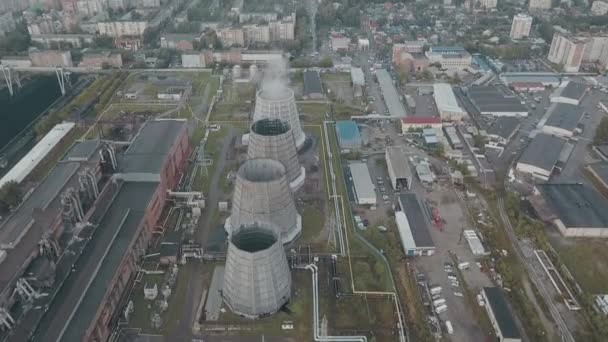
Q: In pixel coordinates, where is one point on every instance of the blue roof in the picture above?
(348, 133)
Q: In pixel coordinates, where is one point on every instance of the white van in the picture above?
(448, 327)
(441, 308)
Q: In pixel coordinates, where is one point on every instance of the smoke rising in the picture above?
(275, 79)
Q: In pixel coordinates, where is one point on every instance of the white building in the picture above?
(7, 23)
(599, 8)
(451, 58)
(540, 5)
(520, 28)
(488, 4)
(256, 34)
(567, 51)
(362, 181)
(447, 105)
(398, 168)
(339, 43)
(363, 44)
(231, 36)
(122, 28)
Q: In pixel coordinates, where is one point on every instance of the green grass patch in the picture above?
(593, 253)
(313, 220)
(335, 77)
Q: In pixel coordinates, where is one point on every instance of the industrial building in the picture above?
(500, 315)
(577, 210)
(421, 122)
(570, 93)
(496, 100)
(449, 109)
(273, 139)
(364, 190)
(313, 89)
(398, 168)
(357, 78)
(262, 194)
(452, 136)
(390, 94)
(93, 215)
(547, 79)
(563, 120)
(412, 226)
(452, 58)
(279, 104)
(348, 133)
(503, 129)
(257, 280)
(425, 174)
(37, 154)
(599, 172)
(539, 159)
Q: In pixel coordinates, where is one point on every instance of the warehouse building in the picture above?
(313, 89)
(496, 100)
(413, 228)
(563, 120)
(349, 136)
(547, 79)
(503, 129)
(599, 172)
(577, 210)
(421, 122)
(365, 193)
(570, 92)
(539, 159)
(398, 168)
(357, 79)
(500, 315)
(449, 109)
(390, 94)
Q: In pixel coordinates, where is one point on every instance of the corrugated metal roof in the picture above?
(391, 96)
(444, 98)
(362, 180)
(405, 232)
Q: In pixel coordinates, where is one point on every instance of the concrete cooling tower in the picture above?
(279, 103)
(273, 139)
(257, 280)
(262, 194)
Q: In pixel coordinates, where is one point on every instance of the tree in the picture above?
(103, 42)
(326, 62)
(404, 74)
(10, 194)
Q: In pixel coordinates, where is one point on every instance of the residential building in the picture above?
(7, 23)
(69, 5)
(101, 59)
(128, 43)
(231, 36)
(89, 8)
(599, 8)
(149, 3)
(567, 51)
(487, 4)
(51, 58)
(117, 4)
(449, 109)
(596, 49)
(256, 34)
(540, 5)
(414, 62)
(257, 17)
(411, 47)
(339, 42)
(520, 28)
(284, 29)
(451, 58)
(122, 28)
(179, 41)
(62, 40)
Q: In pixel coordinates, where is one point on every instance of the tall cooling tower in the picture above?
(279, 103)
(273, 139)
(262, 194)
(257, 280)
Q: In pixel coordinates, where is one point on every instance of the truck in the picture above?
(441, 308)
(438, 302)
(435, 290)
(463, 266)
(448, 327)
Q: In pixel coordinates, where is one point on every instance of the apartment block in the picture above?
(599, 8)
(51, 58)
(540, 5)
(520, 28)
(567, 51)
(122, 28)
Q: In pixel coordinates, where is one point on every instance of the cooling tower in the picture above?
(273, 139)
(257, 280)
(279, 103)
(262, 194)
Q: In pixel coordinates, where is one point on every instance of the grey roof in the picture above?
(149, 149)
(564, 116)
(576, 205)
(390, 94)
(495, 99)
(398, 162)
(312, 82)
(504, 127)
(111, 242)
(601, 170)
(418, 225)
(501, 312)
(572, 90)
(543, 151)
(82, 150)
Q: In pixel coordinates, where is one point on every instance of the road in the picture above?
(564, 332)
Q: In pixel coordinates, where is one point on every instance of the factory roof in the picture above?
(531, 77)
(543, 151)
(82, 150)
(176, 37)
(148, 151)
(504, 127)
(502, 314)
(416, 220)
(348, 133)
(357, 76)
(421, 120)
(445, 99)
(576, 205)
(391, 96)
(571, 90)
(114, 235)
(312, 82)
(493, 99)
(27, 164)
(398, 162)
(362, 180)
(564, 116)
(600, 169)
(448, 50)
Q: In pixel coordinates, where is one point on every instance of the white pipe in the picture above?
(334, 194)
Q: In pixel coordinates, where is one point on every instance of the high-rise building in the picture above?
(487, 4)
(567, 51)
(540, 5)
(599, 8)
(520, 28)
